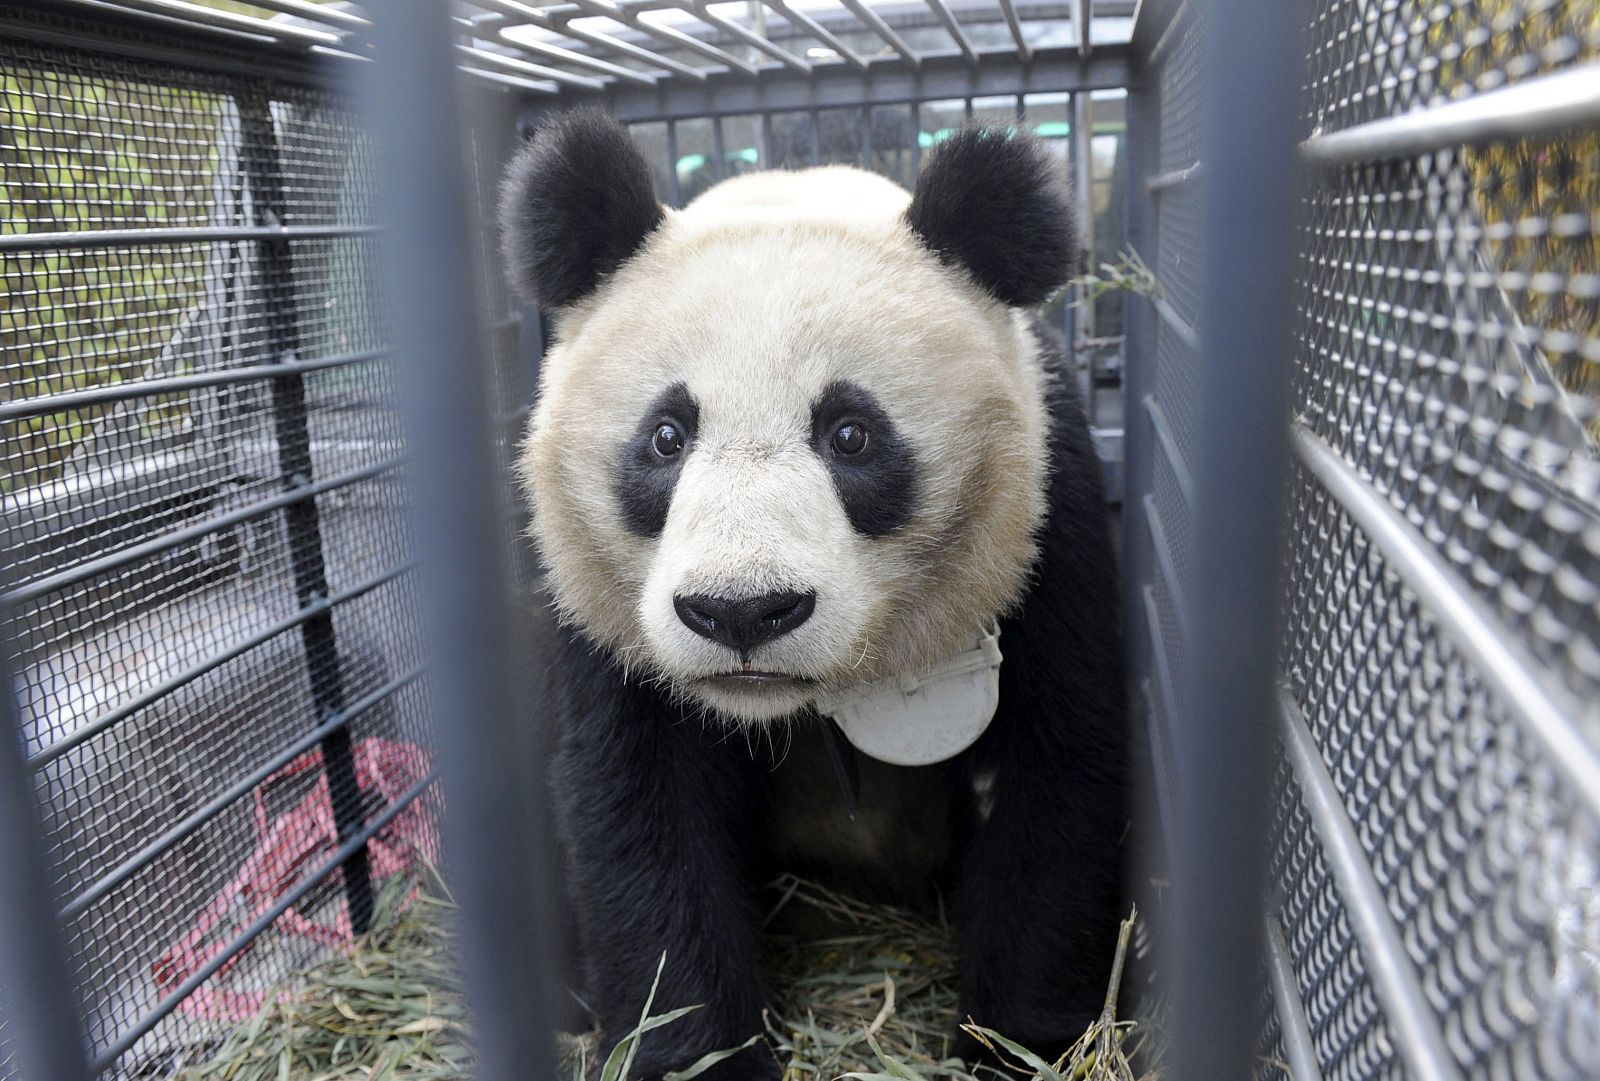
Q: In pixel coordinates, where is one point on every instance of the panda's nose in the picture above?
(743, 623)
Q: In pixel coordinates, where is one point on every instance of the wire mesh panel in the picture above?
(219, 669)
(1436, 831)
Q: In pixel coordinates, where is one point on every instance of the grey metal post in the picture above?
(494, 830)
(35, 991)
(1083, 198)
(1225, 719)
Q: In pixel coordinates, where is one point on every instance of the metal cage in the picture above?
(1349, 417)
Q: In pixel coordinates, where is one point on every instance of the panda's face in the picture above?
(783, 449)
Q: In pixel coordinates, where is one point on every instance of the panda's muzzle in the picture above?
(743, 623)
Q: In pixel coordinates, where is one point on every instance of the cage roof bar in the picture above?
(194, 14)
(510, 80)
(326, 14)
(821, 33)
(876, 24)
(546, 51)
(627, 17)
(745, 34)
(1008, 11)
(506, 14)
(946, 16)
(524, 67)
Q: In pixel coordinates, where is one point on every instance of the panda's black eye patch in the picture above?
(872, 466)
(648, 468)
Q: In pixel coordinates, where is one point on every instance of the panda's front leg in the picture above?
(1040, 877)
(658, 815)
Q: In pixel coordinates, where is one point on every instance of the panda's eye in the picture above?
(668, 440)
(849, 438)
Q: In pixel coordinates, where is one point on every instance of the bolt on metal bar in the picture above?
(132, 238)
(195, 820)
(1008, 11)
(703, 12)
(1293, 1028)
(876, 24)
(1417, 1036)
(1541, 106)
(1542, 706)
(513, 12)
(40, 587)
(36, 992)
(291, 426)
(669, 34)
(45, 404)
(531, 70)
(1225, 712)
(341, 855)
(111, 718)
(494, 826)
(948, 18)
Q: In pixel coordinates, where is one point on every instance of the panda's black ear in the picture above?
(576, 202)
(993, 203)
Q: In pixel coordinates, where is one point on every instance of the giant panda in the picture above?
(798, 450)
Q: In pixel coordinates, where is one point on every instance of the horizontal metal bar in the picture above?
(45, 404)
(1293, 1029)
(546, 51)
(1416, 1029)
(114, 717)
(316, 13)
(1163, 552)
(107, 1058)
(828, 38)
(948, 18)
(1174, 178)
(131, 238)
(1176, 323)
(1158, 647)
(1169, 449)
(213, 807)
(73, 575)
(1543, 707)
(1168, 34)
(1540, 106)
(530, 70)
(890, 82)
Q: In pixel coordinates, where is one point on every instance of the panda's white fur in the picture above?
(756, 296)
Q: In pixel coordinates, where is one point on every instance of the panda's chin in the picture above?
(753, 697)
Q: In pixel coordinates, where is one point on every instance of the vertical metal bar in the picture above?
(866, 137)
(816, 137)
(494, 826)
(1022, 112)
(264, 170)
(36, 993)
(719, 148)
(1224, 736)
(674, 194)
(968, 111)
(916, 141)
(1083, 202)
(766, 141)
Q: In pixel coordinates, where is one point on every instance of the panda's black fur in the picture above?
(663, 816)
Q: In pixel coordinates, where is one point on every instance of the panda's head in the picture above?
(791, 438)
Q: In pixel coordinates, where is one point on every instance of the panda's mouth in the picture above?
(752, 679)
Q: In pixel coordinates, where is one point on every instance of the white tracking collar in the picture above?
(927, 718)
